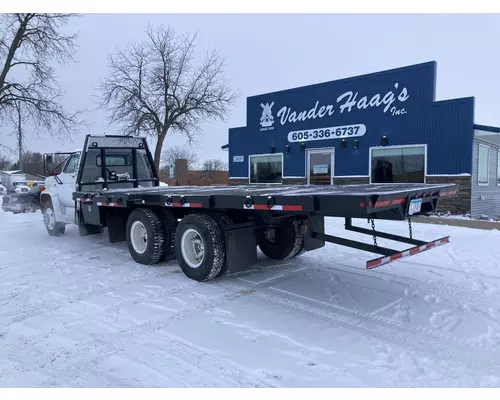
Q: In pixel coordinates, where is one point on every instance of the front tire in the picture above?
(145, 237)
(53, 227)
(200, 247)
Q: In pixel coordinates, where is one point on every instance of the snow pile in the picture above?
(79, 312)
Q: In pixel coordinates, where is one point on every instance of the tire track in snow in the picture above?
(227, 372)
(447, 291)
(88, 295)
(480, 278)
(450, 307)
(448, 295)
(59, 259)
(43, 309)
(446, 288)
(391, 332)
(109, 344)
(449, 304)
(202, 359)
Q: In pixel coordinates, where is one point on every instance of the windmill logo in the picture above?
(267, 119)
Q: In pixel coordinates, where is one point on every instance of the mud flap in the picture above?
(315, 223)
(116, 222)
(241, 249)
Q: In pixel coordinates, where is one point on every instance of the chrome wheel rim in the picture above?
(192, 248)
(49, 218)
(139, 237)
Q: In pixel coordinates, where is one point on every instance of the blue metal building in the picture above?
(381, 127)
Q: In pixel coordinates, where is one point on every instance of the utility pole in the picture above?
(19, 135)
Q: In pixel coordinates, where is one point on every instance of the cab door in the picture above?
(67, 182)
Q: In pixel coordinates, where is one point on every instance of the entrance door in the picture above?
(320, 167)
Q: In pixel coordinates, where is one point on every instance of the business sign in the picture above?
(391, 102)
(332, 132)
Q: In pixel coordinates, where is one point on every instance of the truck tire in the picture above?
(169, 228)
(29, 207)
(53, 227)
(200, 248)
(224, 223)
(301, 250)
(288, 242)
(145, 238)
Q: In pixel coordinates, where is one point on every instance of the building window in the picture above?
(398, 164)
(483, 161)
(498, 167)
(266, 168)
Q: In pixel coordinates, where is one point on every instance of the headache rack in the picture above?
(105, 145)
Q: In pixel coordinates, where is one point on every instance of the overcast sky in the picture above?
(273, 52)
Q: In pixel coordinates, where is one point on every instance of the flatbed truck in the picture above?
(214, 230)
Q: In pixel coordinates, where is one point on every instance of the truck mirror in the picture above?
(49, 164)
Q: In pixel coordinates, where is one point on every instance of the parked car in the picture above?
(28, 202)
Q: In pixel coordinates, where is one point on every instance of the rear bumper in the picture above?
(377, 262)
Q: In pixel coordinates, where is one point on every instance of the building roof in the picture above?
(485, 132)
(20, 171)
(486, 128)
(33, 174)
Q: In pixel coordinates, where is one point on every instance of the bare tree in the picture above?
(211, 166)
(171, 154)
(29, 44)
(5, 162)
(153, 87)
(215, 164)
(17, 118)
(33, 162)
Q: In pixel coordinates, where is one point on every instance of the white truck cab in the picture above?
(57, 202)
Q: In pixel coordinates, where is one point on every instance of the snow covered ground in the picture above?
(79, 312)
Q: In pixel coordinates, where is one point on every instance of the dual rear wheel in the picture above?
(198, 241)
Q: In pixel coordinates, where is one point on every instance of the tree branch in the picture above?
(29, 45)
(153, 87)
